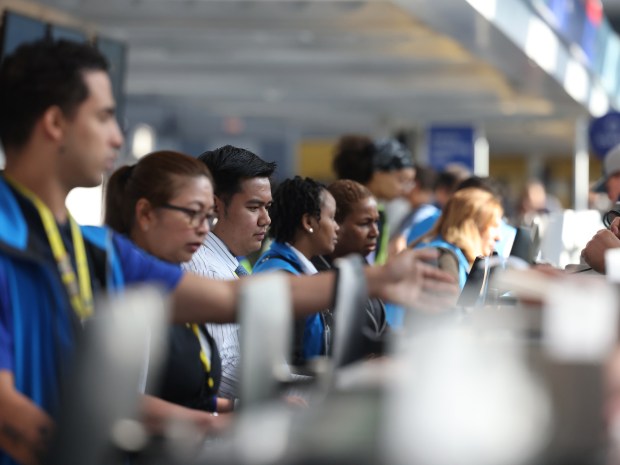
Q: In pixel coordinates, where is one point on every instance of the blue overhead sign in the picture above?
(576, 21)
(449, 145)
(604, 133)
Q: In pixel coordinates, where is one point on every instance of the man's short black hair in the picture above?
(231, 165)
(39, 75)
(486, 184)
(446, 180)
(425, 177)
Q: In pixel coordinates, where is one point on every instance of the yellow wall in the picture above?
(315, 159)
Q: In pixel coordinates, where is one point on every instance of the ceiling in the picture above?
(321, 68)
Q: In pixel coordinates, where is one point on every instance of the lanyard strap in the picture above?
(205, 352)
(79, 290)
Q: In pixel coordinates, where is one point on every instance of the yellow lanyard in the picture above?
(204, 349)
(80, 295)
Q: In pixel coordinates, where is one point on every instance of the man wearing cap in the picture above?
(610, 182)
(594, 252)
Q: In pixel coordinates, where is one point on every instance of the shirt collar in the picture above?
(306, 264)
(223, 250)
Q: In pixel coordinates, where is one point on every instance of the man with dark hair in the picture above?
(65, 88)
(55, 140)
(242, 195)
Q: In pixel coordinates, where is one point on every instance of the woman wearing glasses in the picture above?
(164, 204)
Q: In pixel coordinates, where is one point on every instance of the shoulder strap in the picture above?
(288, 261)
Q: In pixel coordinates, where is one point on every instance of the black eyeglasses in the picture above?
(610, 216)
(195, 217)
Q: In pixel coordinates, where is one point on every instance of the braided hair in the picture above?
(294, 198)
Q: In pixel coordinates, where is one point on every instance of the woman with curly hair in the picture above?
(358, 217)
(467, 228)
(303, 226)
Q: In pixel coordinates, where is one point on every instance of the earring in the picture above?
(310, 230)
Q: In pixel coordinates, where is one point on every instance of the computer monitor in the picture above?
(126, 337)
(18, 29)
(115, 52)
(526, 244)
(474, 291)
(67, 33)
(350, 312)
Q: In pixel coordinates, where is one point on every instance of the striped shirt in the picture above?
(214, 260)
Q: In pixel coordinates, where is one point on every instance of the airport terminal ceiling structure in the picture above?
(328, 67)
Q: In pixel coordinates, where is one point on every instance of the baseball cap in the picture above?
(611, 165)
(390, 154)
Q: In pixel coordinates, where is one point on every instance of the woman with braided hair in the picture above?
(303, 226)
(357, 215)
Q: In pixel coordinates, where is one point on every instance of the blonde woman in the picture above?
(467, 228)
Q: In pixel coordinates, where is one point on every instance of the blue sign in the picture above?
(576, 21)
(449, 145)
(604, 133)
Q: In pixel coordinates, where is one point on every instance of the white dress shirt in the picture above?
(214, 260)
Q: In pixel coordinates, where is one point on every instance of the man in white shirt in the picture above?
(242, 196)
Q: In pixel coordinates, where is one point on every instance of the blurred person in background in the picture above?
(303, 226)
(164, 204)
(609, 183)
(594, 252)
(357, 216)
(507, 232)
(467, 228)
(421, 202)
(385, 167)
(535, 201)
(445, 183)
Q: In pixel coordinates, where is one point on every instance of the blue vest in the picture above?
(420, 229)
(281, 257)
(438, 242)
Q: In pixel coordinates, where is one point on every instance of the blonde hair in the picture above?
(464, 217)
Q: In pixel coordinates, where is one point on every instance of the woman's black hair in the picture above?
(293, 199)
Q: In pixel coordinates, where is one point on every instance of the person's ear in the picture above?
(144, 213)
(53, 123)
(218, 206)
(308, 222)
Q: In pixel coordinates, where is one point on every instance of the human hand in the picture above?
(224, 405)
(211, 424)
(296, 402)
(409, 281)
(25, 429)
(594, 252)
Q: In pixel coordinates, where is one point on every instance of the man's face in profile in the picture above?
(91, 136)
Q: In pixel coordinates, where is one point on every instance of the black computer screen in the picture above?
(18, 29)
(526, 244)
(115, 52)
(67, 33)
(474, 291)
